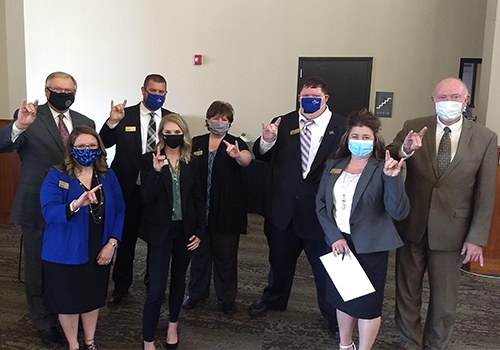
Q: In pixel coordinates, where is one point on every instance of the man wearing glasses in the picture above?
(39, 135)
(134, 131)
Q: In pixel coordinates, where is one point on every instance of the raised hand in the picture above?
(391, 166)
(117, 112)
(413, 140)
(232, 150)
(26, 115)
(158, 160)
(270, 131)
(86, 198)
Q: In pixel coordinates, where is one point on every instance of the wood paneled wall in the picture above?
(10, 170)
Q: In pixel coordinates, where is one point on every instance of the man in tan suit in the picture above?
(451, 177)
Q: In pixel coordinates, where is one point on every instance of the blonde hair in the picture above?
(59, 75)
(186, 146)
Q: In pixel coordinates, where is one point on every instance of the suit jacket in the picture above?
(292, 198)
(378, 199)
(127, 138)
(66, 242)
(39, 147)
(458, 206)
(156, 192)
(228, 213)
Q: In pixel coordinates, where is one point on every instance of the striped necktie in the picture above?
(444, 152)
(63, 130)
(151, 140)
(305, 142)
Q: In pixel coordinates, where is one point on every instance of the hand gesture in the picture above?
(392, 167)
(105, 255)
(270, 131)
(413, 140)
(472, 252)
(26, 114)
(340, 247)
(194, 242)
(86, 198)
(117, 112)
(232, 150)
(158, 160)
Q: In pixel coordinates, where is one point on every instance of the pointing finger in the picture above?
(277, 122)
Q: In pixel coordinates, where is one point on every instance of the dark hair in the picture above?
(315, 82)
(69, 165)
(157, 78)
(220, 108)
(362, 118)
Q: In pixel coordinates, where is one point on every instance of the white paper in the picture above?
(347, 275)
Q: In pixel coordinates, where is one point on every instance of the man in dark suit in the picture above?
(39, 134)
(451, 185)
(134, 131)
(296, 146)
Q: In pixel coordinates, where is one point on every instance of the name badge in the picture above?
(335, 171)
(198, 153)
(295, 131)
(130, 129)
(64, 185)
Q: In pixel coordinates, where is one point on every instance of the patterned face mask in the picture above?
(85, 157)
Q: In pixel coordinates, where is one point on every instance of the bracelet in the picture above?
(113, 244)
(71, 206)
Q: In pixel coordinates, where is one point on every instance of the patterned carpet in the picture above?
(206, 327)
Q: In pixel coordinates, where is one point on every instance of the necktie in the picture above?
(151, 140)
(305, 142)
(63, 130)
(444, 152)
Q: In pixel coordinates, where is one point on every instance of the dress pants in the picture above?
(123, 271)
(33, 279)
(221, 250)
(174, 252)
(284, 250)
(443, 268)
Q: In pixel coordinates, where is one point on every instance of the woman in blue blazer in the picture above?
(83, 207)
(360, 193)
(172, 223)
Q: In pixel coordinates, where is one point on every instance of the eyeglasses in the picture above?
(60, 90)
(90, 146)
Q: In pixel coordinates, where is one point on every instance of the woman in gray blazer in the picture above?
(360, 193)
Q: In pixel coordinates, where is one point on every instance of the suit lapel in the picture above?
(295, 139)
(364, 179)
(429, 142)
(326, 146)
(47, 119)
(136, 121)
(167, 182)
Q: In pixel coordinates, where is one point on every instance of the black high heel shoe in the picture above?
(171, 346)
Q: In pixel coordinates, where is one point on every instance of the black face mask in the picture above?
(173, 141)
(61, 101)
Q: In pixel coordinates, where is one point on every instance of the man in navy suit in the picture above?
(38, 133)
(296, 166)
(134, 131)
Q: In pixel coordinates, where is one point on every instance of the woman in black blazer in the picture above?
(221, 157)
(360, 193)
(172, 224)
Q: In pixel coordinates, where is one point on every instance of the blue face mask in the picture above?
(361, 148)
(154, 101)
(85, 157)
(310, 104)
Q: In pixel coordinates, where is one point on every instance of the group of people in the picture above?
(332, 185)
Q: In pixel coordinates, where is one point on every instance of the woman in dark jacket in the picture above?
(172, 224)
(221, 157)
(360, 194)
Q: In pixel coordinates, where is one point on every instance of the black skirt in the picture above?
(77, 289)
(368, 306)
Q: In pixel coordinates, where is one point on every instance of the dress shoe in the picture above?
(51, 337)
(189, 303)
(333, 331)
(228, 307)
(116, 297)
(258, 308)
(171, 346)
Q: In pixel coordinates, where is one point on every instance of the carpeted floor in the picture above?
(206, 327)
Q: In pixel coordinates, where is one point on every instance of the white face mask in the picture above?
(449, 110)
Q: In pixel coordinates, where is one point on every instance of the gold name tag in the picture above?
(198, 153)
(64, 185)
(129, 128)
(335, 171)
(295, 131)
